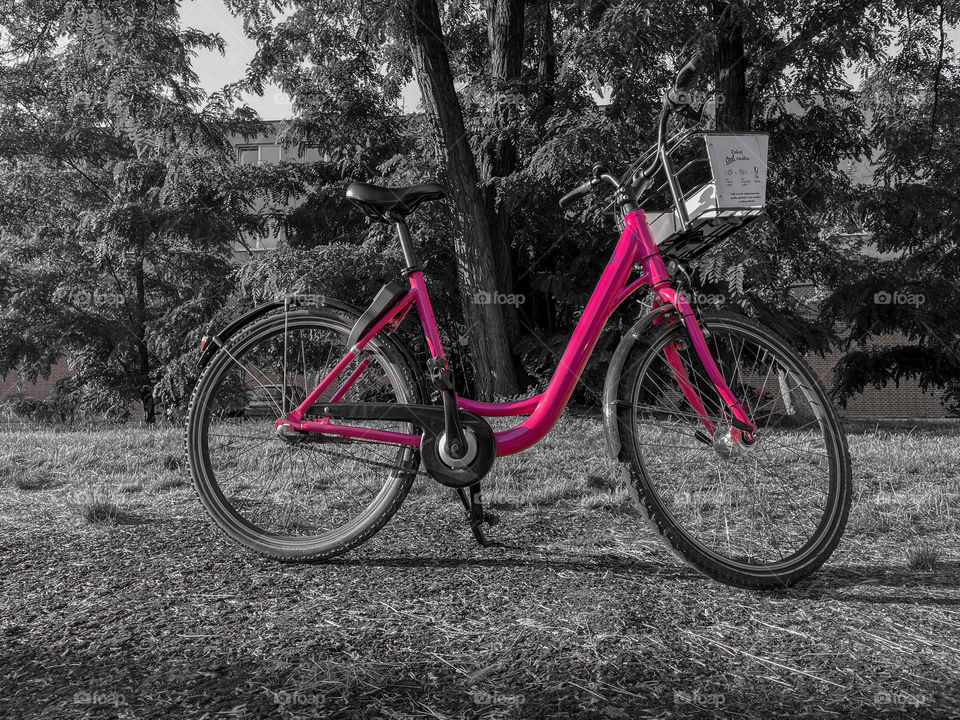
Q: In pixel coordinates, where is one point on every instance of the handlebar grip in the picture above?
(575, 194)
(689, 72)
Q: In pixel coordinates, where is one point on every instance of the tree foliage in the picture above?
(533, 124)
(119, 200)
(899, 304)
(114, 160)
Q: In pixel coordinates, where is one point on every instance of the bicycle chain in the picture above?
(372, 463)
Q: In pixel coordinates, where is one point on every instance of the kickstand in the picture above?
(475, 514)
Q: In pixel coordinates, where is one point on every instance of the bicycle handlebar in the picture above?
(673, 100)
(689, 72)
(575, 194)
(677, 96)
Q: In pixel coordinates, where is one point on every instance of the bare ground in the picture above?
(146, 611)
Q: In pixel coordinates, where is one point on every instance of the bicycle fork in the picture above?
(742, 430)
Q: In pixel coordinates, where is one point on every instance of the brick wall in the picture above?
(13, 385)
(903, 401)
(890, 402)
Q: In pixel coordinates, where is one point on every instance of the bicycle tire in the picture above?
(390, 358)
(661, 503)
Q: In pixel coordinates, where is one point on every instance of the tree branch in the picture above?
(936, 79)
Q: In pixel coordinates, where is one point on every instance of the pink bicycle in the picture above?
(310, 423)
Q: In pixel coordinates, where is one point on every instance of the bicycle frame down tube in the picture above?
(636, 244)
(507, 409)
(611, 290)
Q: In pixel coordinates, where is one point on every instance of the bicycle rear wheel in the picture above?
(756, 516)
(318, 496)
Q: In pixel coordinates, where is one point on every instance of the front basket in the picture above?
(735, 197)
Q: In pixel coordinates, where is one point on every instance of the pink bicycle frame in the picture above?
(635, 246)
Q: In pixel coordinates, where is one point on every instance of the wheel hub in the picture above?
(468, 456)
(725, 445)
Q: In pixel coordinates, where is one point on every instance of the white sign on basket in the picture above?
(739, 164)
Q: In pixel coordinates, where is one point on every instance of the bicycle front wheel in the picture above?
(755, 515)
(307, 498)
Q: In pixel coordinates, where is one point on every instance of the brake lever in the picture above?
(642, 187)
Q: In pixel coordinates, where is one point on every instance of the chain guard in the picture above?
(470, 474)
(430, 419)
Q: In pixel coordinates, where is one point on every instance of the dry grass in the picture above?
(580, 613)
(32, 478)
(923, 557)
(99, 506)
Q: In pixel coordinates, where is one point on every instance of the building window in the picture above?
(269, 154)
(249, 155)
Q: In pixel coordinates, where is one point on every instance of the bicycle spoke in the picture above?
(304, 487)
(747, 504)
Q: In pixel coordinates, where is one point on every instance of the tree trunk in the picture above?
(146, 387)
(546, 58)
(733, 109)
(499, 155)
(476, 264)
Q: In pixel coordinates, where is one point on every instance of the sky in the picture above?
(215, 70)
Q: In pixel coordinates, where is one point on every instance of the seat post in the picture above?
(406, 242)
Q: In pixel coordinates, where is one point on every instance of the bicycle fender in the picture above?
(214, 341)
(388, 296)
(611, 383)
